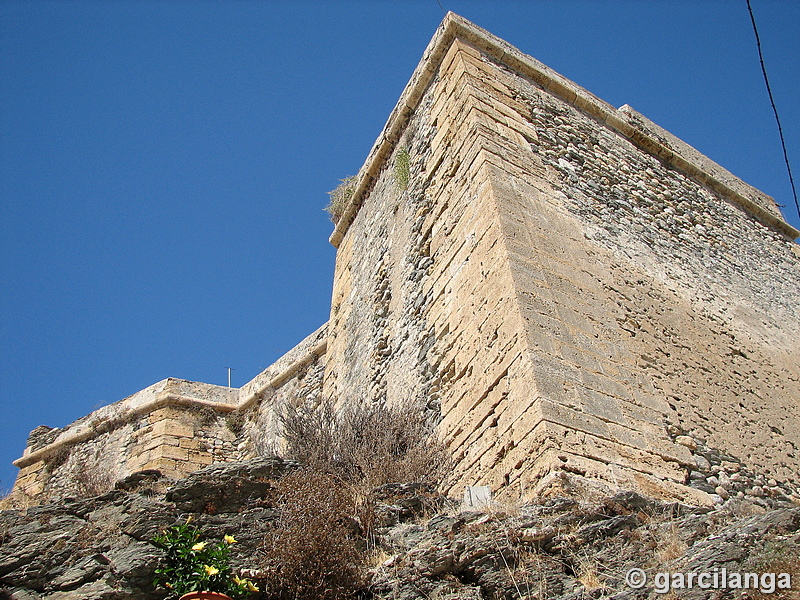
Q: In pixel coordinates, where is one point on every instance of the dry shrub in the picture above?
(88, 483)
(318, 549)
(340, 197)
(83, 475)
(366, 445)
(313, 553)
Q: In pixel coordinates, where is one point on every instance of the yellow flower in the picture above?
(228, 539)
(251, 587)
(199, 547)
(238, 581)
(189, 519)
(211, 570)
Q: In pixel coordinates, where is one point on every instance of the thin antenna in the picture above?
(229, 375)
(444, 12)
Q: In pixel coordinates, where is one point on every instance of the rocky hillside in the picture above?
(417, 545)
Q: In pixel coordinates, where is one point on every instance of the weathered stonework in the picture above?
(581, 296)
(174, 426)
(570, 282)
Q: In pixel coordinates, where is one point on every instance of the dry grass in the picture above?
(366, 446)
(377, 557)
(589, 575)
(340, 196)
(88, 483)
(363, 447)
(671, 545)
(313, 553)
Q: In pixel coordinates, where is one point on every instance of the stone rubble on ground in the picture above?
(426, 546)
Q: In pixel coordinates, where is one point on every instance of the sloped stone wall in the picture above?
(572, 286)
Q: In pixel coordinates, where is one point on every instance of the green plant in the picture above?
(193, 565)
(235, 421)
(340, 196)
(402, 168)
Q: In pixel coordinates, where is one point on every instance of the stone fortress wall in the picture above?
(574, 286)
(582, 296)
(174, 426)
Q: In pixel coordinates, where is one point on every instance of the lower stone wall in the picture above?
(174, 426)
(296, 377)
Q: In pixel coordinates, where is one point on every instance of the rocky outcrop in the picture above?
(567, 550)
(422, 545)
(99, 548)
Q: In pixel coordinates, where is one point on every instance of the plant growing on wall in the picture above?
(340, 196)
(192, 565)
(402, 168)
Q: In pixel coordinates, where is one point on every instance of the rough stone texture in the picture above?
(571, 289)
(228, 487)
(174, 427)
(566, 281)
(99, 548)
(295, 377)
(563, 549)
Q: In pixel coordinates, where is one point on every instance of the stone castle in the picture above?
(583, 297)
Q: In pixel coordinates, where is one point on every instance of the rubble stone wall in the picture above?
(574, 288)
(174, 426)
(294, 378)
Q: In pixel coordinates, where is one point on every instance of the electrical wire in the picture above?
(774, 109)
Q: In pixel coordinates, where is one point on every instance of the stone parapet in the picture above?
(626, 121)
(559, 278)
(174, 426)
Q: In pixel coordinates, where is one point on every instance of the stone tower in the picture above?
(573, 285)
(585, 298)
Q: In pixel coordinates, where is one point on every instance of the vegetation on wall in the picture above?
(340, 196)
(364, 444)
(402, 168)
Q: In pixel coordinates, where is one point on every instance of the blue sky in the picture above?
(163, 164)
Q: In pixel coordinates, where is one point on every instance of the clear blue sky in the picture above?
(163, 164)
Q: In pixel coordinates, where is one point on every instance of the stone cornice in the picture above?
(638, 129)
(119, 414)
